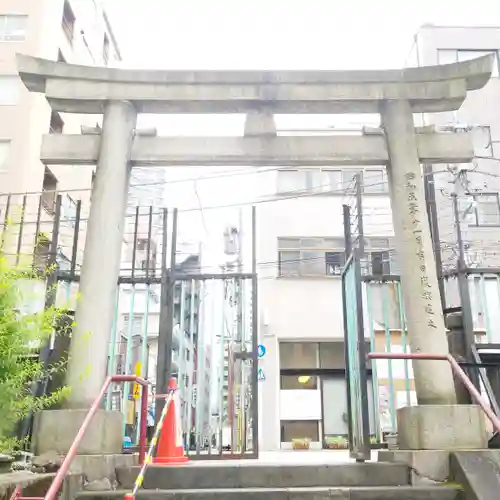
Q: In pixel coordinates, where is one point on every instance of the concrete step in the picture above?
(318, 493)
(254, 475)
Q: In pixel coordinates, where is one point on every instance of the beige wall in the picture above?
(23, 124)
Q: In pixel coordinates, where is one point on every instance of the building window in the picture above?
(13, 28)
(56, 123)
(49, 191)
(380, 263)
(319, 180)
(68, 22)
(4, 153)
(483, 144)
(324, 180)
(298, 355)
(310, 256)
(449, 56)
(299, 429)
(105, 49)
(349, 178)
(487, 209)
(375, 181)
(334, 263)
(298, 382)
(10, 90)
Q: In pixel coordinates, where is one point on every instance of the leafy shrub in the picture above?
(22, 334)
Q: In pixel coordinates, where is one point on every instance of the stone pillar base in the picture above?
(55, 431)
(441, 427)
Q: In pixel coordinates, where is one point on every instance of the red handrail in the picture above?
(457, 369)
(68, 459)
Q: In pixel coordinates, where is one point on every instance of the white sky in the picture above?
(268, 34)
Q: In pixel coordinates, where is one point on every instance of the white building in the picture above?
(300, 302)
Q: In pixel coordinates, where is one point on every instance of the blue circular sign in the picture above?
(261, 351)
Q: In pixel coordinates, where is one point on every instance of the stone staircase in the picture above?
(256, 480)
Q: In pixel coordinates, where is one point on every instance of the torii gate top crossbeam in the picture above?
(84, 89)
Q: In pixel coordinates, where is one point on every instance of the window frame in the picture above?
(15, 98)
(5, 147)
(5, 18)
(496, 52)
(323, 247)
(68, 21)
(336, 188)
(330, 245)
(477, 196)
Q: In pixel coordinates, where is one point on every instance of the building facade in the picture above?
(75, 31)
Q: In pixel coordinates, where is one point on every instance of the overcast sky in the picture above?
(269, 34)
(287, 34)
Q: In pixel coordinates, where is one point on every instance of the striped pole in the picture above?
(149, 456)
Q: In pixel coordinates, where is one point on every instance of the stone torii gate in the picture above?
(121, 94)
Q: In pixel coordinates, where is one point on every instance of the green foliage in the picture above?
(21, 336)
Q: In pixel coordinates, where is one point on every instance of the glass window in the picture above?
(68, 22)
(298, 382)
(375, 181)
(312, 263)
(481, 137)
(380, 263)
(325, 180)
(348, 177)
(487, 210)
(136, 326)
(334, 263)
(465, 55)
(333, 179)
(331, 355)
(447, 56)
(10, 90)
(289, 263)
(13, 28)
(298, 355)
(4, 153)
(299, 429)
(291, 180)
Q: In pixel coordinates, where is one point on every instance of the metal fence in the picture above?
(172, 316)
(386, 330)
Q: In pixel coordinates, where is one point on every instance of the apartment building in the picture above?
(76, 31)
(476, 185)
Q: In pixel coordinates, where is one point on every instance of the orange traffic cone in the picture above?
(170, 443)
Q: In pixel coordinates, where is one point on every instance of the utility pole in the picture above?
(464, 291)
(430, 199)
(239, 363)
(359, 214)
